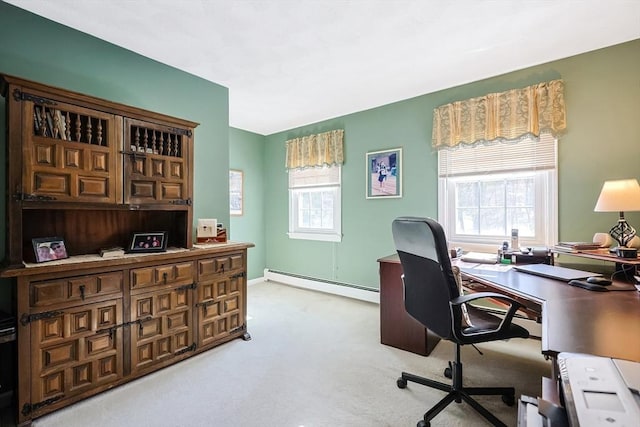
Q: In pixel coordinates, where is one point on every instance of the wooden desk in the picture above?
(573, 319)
(397, 328)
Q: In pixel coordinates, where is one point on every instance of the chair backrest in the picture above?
(429, 282)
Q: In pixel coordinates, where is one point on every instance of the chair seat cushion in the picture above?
(483, 326)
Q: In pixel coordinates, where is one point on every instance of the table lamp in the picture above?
(620, 196)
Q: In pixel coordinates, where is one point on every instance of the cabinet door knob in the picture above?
(82, 292)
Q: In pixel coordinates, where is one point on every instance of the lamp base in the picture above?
(624, 252)
(622, 232)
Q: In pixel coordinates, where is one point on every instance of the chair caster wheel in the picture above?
(402, 383)
(423, 423)
(448, 372)
(509, 399)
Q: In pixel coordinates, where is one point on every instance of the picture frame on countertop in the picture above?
(49, 249)
(142, 242)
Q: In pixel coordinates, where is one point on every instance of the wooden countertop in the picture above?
(94, 260)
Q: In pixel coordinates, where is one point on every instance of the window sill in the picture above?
(316, 236)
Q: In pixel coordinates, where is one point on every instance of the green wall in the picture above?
(41, 50)
(602, 141)
(246, 153)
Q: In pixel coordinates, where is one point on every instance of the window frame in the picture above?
(545, 199)
(318, 234)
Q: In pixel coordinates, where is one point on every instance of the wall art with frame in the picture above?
(384, 174)
(235, 192)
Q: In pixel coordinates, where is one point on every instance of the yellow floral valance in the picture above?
(510, 116)
(316, 150)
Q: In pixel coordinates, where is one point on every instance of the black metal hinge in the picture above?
(235, 276)
(18, 95)
(181, 131)
(112, 329)
(181, 202)
(32, 197)
(28, 318)
(192, 347)
(186, 287)
(205, 304)
(134, 155)
(28, 408)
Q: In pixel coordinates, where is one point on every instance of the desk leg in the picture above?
(397, 327)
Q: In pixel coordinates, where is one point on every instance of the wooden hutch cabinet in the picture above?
(94, 172)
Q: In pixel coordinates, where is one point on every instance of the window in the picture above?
(485, 191)
(314, 204)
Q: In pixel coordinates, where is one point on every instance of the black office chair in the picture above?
(433, 297)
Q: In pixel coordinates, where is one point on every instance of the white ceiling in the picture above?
(289, 63)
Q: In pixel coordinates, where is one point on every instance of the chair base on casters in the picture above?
(458, 393)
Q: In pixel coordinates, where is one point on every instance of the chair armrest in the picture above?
(511, 311)
(480, 295)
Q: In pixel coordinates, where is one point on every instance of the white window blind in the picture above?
(485, 191)
(313, 177)
(524, 155)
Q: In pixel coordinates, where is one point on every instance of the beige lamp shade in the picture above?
(619, 196)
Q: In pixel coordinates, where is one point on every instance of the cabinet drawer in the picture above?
(74, 289)
(221, 264)
(166, 274)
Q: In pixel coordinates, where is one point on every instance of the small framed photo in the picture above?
(384, 174)
(235, 192)
(49, 249)
(155, 241)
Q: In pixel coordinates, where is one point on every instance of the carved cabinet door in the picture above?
(74, 350)
(70, 153)
(161, 327)
(220, 302)
(157, 163)
(220, 308)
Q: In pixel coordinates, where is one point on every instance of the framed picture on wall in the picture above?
(235, 192)
(384, 173)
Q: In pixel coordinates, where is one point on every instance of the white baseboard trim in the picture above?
(256, 281)
(535, 329)
(320, 286)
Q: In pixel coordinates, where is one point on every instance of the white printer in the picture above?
(597, 391)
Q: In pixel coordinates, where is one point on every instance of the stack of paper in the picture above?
(480, 257)
(576, 246)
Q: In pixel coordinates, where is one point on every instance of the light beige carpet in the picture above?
(315, 360)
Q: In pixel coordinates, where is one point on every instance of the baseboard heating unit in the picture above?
(321, 285)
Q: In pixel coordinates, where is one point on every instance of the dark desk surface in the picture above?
(573, 319)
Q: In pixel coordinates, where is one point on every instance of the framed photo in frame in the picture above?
(155, 241)
(49, 249)
(384, 174)
(236, 195)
